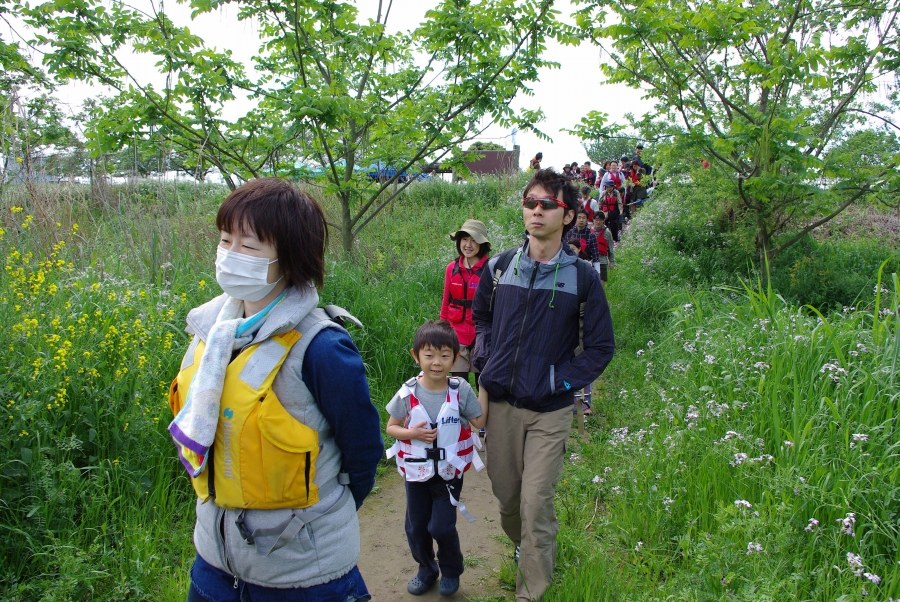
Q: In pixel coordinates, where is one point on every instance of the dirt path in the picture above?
(386, 564)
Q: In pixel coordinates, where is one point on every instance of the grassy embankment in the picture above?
(748, 447)
(740, 397)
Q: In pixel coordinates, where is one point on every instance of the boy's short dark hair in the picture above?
(437, 334)
(586, 190)
(580, 212)
(556, 183)
(288, 218)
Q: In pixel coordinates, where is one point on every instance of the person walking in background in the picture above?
(460, 283)
(535, 163)
(605, 245)
(587, 240)
(611, 205)
(527, 328)
(588, 176)
(589, 204)
(271, 389)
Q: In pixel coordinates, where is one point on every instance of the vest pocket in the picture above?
(281, 475)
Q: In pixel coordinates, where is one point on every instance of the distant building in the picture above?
(495, 162)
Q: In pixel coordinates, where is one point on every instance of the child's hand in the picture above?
(421, 433)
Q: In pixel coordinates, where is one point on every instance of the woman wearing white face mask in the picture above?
(273, 420)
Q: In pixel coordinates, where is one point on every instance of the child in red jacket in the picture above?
(460, 282)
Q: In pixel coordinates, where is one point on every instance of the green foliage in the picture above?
(692, 234)
(332, 90)
(763, 91)
(478, 146)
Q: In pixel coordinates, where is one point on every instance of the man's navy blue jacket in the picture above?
(525, 347)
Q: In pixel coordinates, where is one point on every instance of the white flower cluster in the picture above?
(847, 524)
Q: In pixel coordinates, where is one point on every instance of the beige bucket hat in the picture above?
(474, 228)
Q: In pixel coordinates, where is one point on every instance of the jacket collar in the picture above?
(474, 268)
(298, 302)
(562, 257)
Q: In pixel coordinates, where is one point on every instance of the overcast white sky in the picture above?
(565, 94)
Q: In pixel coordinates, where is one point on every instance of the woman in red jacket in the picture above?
(460, 281)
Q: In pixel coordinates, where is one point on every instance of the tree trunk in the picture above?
(346, 223)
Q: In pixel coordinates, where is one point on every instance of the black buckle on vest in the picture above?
(244, 529)
(436, 453)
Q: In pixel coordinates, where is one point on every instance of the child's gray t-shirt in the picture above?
(431, 403)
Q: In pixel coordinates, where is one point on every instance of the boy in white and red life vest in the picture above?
(432, 417)
(605, 247)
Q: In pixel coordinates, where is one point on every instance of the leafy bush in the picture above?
(689, 235)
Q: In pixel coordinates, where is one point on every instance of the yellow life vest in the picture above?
(262, 457)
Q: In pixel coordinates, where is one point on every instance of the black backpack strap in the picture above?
(585, 273)
(503, 261)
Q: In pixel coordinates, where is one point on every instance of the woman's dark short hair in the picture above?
(553, 181)
(483, 249)
(286, 217)
(437, 334)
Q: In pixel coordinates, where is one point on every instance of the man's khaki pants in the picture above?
(525, 452)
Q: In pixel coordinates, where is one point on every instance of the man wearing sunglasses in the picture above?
(528, 327)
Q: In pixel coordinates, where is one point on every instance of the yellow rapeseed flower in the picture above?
(15, 209)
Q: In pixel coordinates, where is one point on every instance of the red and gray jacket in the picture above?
(527, 336)
(460, 284)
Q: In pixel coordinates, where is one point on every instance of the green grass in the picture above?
(740, 397)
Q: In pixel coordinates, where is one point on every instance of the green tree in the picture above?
(762, 89)
(481, 146)
(331, 88)
(606, 143)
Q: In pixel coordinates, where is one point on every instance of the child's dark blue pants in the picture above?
(430, 518)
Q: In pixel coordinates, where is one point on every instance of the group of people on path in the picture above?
(275, 426)
(617, 188)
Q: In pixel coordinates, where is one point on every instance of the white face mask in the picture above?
(242, 276)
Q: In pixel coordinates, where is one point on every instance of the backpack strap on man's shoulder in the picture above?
(585, 273)
(503, 261)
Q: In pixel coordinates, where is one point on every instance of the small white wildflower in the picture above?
(885, 312)
(596, 479)
(640, 352)
(753, 548)
(812, 526)
(789, 444)
(847, 524)
(650, 343)
(574, 457)
(739, 458)
(861, 437)
(709, 359)
(743, 504)
(638, 547)
(872, 577)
